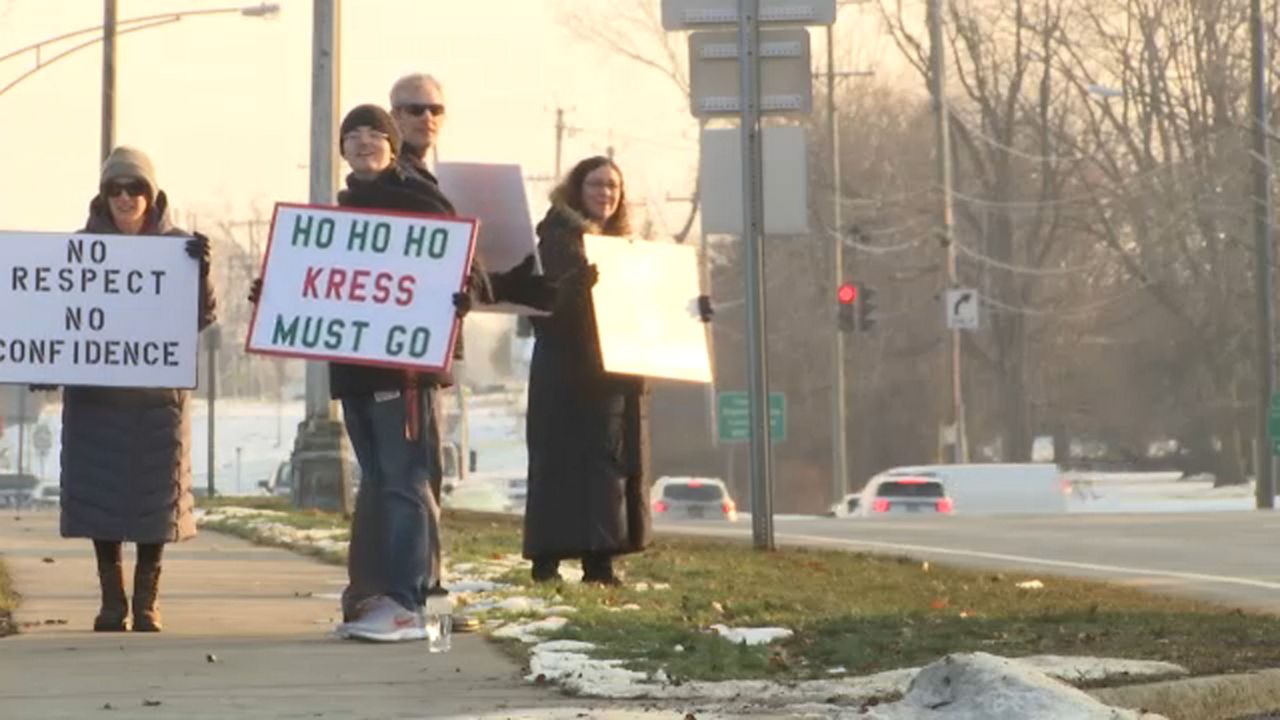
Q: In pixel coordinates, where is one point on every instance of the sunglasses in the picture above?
(134, 188)
(420, 109)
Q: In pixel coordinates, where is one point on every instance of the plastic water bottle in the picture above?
(439, 617)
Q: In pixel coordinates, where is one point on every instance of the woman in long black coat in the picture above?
(587, 429)
(126, 452)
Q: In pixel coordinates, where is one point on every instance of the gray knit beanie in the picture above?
(126, 162)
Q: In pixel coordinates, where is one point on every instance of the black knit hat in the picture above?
(374, 118)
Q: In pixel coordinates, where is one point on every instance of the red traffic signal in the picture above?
(847, 294)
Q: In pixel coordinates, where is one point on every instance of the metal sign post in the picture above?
(761, 469)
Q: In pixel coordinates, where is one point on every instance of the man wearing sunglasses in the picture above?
(417, 106)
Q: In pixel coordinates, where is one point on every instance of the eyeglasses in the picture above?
(419, 109)
(603, 185)
(365, 134)
(134, 188)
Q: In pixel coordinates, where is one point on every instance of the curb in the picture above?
(1214, 697)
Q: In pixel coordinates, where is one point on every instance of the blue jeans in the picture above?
(395, 532)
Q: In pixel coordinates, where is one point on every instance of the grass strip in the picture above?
(857, 613)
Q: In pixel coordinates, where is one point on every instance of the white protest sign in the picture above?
(363, 287)
(101, 310)
(494, 195)
(646, 305)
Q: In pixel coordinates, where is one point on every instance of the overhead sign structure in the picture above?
(715, 74)
(494, 194)
(697, 14)
(962, 309)
(646, 307)
(732, 416)
(98, 310)
(786, 181)
(369, 288)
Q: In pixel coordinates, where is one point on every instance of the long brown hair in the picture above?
(569, 194)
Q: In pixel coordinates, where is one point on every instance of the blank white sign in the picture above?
(646, 305)
(786, 181)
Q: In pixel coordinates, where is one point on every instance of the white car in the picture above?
(888, 494)
(691, 498)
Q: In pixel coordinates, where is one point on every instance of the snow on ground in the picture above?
(752, 636)
(979, 686)
(1025, 685)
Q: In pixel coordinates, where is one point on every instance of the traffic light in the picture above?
(846, 297)
(866, 308)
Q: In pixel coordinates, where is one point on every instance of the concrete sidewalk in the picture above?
(262, 614)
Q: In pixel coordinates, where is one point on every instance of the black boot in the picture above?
(546, 570)
(597, 568)
(146, 589)
(114, 613)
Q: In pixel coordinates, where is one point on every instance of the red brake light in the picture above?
(695, 483)
(911, 480)
(880, 506)
(659, 506)
(946, 506)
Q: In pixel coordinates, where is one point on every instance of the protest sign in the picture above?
(646, 305)
(100, 310)
(363, 287)
(494, 194)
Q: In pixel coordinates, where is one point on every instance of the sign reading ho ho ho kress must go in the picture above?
(365, 287)
(104, 310)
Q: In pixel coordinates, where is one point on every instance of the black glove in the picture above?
(255, 291)
(584, 278)
(461, 304)
(705, 311)
(198, 248)
(43, 388)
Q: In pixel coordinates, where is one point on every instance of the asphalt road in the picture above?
(1226, 557)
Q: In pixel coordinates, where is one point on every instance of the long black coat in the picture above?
(587, 429)
(126, 452)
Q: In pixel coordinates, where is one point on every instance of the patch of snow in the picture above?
(1031, 585)
(475, 586)
(518, 604)
(1081, 669)
(629, 607)
(979, 686)
(531, 632)
(752, 636)
(559, 610)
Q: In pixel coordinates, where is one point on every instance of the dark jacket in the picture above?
(587, 429)
(398, 189)
(126, 462)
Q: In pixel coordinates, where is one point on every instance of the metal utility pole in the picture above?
(324, 162)
(840, 429)
(1259, 102)
(22, 427)
(761, 467)
(212, 339)
(937, 45)
(108, 77)
(322, 479)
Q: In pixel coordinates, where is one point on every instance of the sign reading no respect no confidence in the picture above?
(104, 310)
(371, 288)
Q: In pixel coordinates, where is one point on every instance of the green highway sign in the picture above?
(1274, 424)
(733, 416)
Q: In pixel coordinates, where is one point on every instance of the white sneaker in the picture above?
(384, 620)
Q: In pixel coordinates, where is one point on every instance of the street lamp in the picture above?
(263, 10)
(110, 30)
